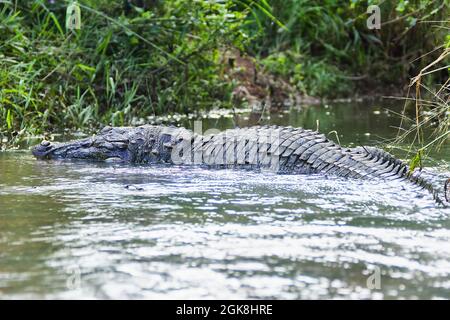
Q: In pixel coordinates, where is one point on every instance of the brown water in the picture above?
(75, 230)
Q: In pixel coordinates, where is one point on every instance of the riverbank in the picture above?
(175, 57)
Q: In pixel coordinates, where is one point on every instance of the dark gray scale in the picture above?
(158, 149)
(141, 142)
(251, 148)
(229, 144)
(197, 148)
(343, 167)
(194, 141)
(339, 163)
(207, 141)
(301, 139)
(290, 139)
(324, 166)
(299, 151)
(198, 142)
(333, 156)
(324, 147)
(279, 135)
(230, 150)
(401, 170)
(250, 138)
(237, 149)
(261, 140)
(306, 139)
(277, 144)
(264, 158)
(302, 167)
(180, 145)
(353, 175)
(275, 135)
(339, 171)
(320, 158)
(207, 150)
(348, 172)
(387, 171)
(241, 151)
(312, 148)
(328, 160)
(289, 149)
(282, 165)
(292, 159)
(377, 163)
(273, 146)
(218, 153)
(359, 169)
(309, 142)
(365, 157)
(363, 170)
(252, 152)
(263, 146)
(285, 148)
(377, 167)
(370, 159)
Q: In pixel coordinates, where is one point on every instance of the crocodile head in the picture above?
(109, 144)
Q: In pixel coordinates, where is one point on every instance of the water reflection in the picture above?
(177, 232)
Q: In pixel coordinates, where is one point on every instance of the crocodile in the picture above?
(286, 150)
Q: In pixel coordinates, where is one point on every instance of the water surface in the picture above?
(93, 230)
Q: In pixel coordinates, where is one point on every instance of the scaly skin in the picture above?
(282, 149)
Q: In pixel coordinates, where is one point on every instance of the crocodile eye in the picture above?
(120, 145)
(86, 143)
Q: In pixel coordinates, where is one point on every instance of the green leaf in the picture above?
(85, 67)
(9, 119)
(56, 22)
(416, 161)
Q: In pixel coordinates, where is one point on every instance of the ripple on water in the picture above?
(176, 232)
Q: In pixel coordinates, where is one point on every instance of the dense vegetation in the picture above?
(138, 58)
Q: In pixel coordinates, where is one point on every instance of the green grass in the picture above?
(115, 67)
(168, 57)
(328, 50)
(432, 113)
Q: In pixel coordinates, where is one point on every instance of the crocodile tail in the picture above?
(423, 182)
(385, 165)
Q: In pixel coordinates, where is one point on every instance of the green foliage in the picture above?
(117, 66)
(416, 161)
(310, 76)
(166, 56)
(338, 53)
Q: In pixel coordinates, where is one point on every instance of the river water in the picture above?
(93, 230)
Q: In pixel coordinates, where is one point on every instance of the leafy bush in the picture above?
(332, 42)
(117, 66)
